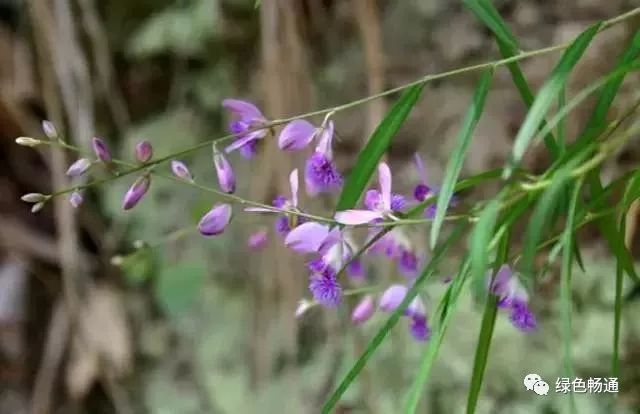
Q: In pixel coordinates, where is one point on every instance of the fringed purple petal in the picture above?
(355, 269)
(398, 202)
(325, 289)
(408, 263)
(522, 317)
(321, 175)
(281, 226)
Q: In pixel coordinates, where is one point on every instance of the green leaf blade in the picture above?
(454, 166)
(376, 147)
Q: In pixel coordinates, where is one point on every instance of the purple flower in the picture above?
(296, 135)
(355, 269)
(215, 221)
(180, 170)
(285, 223)
(144, 151)
(325, 288)
(373, 200)
(513, 298)
(49, 130)
(408, 263)
(135, 193)
(320, 174)
(246, 117)
(79, 167)
(101, 150)
(257, 240)
(420, 328)
(226, 178)
(76, 199)
(522, 317)
(423, 191)
(363, 310)
(380, 210)
(392, 298)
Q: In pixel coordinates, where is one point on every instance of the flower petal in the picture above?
(240, 142)
(296, 135)
(355, 217)
(392, 297)
(307, 237)
(243, 109)
(363, 311)
(422, 173)
(326, 137)
(259, 210)
(384, 178)
(293, 181)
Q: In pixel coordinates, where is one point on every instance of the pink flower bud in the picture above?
(135, 193)
(180, 170)
(226, 178)
(215, 221)
(101, 150)
(76, 199)
(144, 151)
(49, 130)
(392, 297)
(257, 240)
(79, 167)
(363, 311)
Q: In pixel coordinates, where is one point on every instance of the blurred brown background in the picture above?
(203, 326)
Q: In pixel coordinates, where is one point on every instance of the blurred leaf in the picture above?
(138, 266)
(631, 191)
(547, 95)
(566, 300)
(178, 286)
(480, 242)
(182, 30)
(376, 147)
(454, 166)
(508, 45)
(540, 219)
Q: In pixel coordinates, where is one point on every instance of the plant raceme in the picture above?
(328, 244)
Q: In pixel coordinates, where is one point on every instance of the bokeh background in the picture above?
(193, 325)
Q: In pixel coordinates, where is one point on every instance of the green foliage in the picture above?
(454, 166)
(184, 30)
(376, 147)
(178, 286)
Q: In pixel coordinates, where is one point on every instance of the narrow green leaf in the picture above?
(631, 191)
(614, 237)
(547, 94)
(486, 328)
(479, 243)
(447, 306)
(482, 351)
(566, 302)
(376, 147)
(598, 120)
(484, 10)
(454, 166)
(617, 318)
(373, 345)
(541, 217)
(508, 46)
